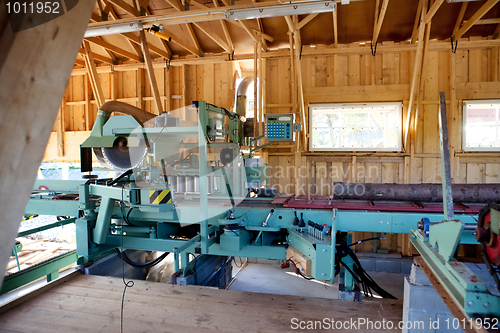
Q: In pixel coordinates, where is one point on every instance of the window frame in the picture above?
(399, 148)
(464, 125)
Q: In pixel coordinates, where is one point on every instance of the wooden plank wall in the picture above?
(345, 76)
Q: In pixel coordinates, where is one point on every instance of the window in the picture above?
(481, 126)
(368, 127)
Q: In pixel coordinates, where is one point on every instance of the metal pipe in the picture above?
(464, 193)
(467, 226)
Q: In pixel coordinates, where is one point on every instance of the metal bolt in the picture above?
(471, 304)
(387, 223)
(323, 274)
(395, 223)
(486, 305)
(381, 222)
(324, 250)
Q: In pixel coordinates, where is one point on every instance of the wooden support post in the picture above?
(259, 95)
(94, 77)
(335, 28)
(255, 90)
(416, 75)
(140, 88)
(60, 129)
(87, 93)
(27, 57)
(168, 94)
(184, 86)
(151, 72)
(420, 99)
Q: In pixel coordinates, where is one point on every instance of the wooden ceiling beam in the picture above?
(477, 15)
(165, 54)
(496, 32)
(251, 31)
(99, 57)
(114, 48)
(151, 72)
(308, 19)
(93, 76)
(213, 36)
(188, 26)
(126, 7)
(335, 28)
(380, 20)
(291, 26)
(223, 24)
(460, 18)
(432, 11)
(414, 32)
(486, 21)
(133, 38)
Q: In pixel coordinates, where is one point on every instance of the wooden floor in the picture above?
(92, 304)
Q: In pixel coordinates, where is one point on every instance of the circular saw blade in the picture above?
(120, 156)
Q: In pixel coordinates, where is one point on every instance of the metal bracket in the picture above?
(374, 49)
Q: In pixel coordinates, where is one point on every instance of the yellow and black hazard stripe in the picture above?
(160, 197)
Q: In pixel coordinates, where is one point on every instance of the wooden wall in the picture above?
(346, 74)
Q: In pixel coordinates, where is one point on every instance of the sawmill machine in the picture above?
(183, 188)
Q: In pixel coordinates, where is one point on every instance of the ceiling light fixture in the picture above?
(281, 10)
(113, 29)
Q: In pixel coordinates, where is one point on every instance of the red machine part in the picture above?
(489, 239)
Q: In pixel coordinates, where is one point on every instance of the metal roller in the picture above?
(465, 193)
(181, 184)
(189, 184)
(172, 182)
(196, 184)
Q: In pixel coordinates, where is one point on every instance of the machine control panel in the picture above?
(279, 127)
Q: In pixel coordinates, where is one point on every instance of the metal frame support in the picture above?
(445, 159)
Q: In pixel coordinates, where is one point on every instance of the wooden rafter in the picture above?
(251, 31)
(203, 26)
(151, 72)
(460, 18)
(99, 57)
(125, 6)
(262, 41)
(93, 76)
(487, 21)
(496, 32)
(477, 15)
(379, 21)
(415, 30)
(308, 19)
(114, 48)
(223, 24)
(432, 11)
(137, 41)
(335, 28)
(188, 27)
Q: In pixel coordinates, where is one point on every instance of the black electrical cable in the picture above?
(365, 281)
(130, 283)
(149, 264)
(365, 240)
